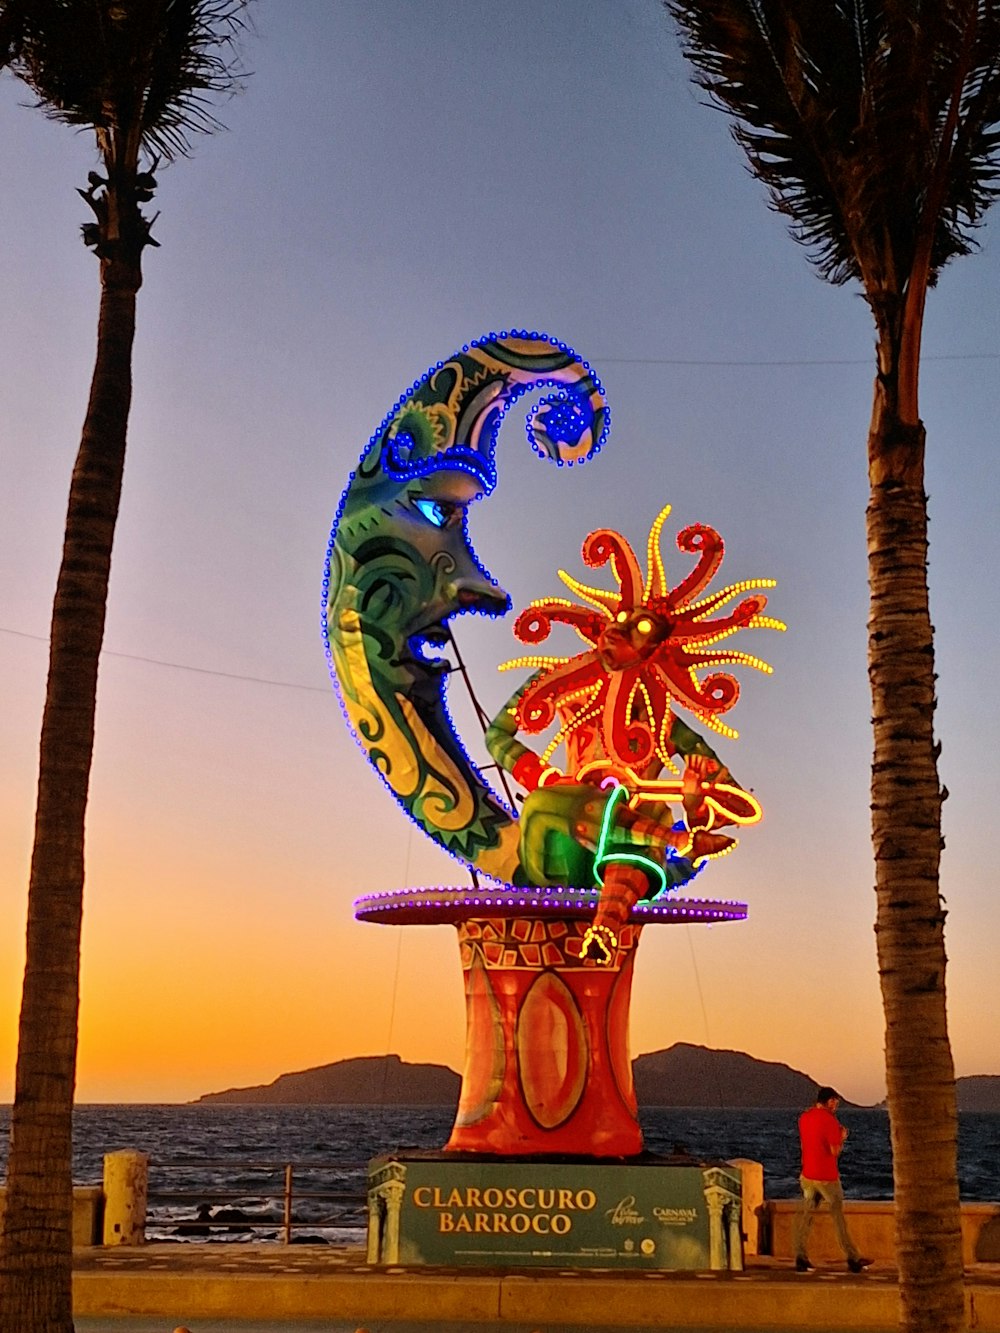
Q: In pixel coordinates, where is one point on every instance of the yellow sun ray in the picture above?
(716, 599)
(726, 632)
(732, 657)
(663, 740)
(714, 724)
(533, 663)
(567, 729)
(596, 597)
(656, 579)
(765, 622)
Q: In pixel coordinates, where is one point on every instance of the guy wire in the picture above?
(704, 1011)
(395, 980)
(484, 722)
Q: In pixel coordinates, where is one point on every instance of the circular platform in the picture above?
(431, 907)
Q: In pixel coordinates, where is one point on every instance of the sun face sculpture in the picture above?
(646, 644)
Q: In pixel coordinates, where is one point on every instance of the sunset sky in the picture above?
(397, 179)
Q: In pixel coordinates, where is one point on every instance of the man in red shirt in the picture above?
(822, 1137)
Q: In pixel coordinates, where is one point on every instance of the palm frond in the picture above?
(140, 72)
(859, 116)
(12, 22)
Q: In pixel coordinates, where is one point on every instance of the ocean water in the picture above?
(234, 1157)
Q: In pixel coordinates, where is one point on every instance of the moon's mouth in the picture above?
(424, 645)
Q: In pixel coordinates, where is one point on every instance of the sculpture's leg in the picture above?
(624, 885)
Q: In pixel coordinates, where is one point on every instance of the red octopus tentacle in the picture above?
(534, 624)
(689, 629)
(603, 545)
(746, 610)
(703, 541)
(626, 739)
(716, 694)
(536, 708)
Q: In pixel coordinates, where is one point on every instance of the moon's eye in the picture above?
(436, 512)
(621, 617)
(644, 626)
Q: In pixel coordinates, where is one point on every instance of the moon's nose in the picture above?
(476, 595)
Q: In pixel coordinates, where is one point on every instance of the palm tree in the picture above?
(873, 125)
(140, 74)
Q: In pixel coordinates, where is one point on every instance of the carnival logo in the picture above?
(624, 1213)
(675, 1217)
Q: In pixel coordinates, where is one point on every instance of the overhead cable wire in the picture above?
(183, 666)
(798, 361)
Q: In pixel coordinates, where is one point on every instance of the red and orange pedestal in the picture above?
(547, 1067)
(548, 1070)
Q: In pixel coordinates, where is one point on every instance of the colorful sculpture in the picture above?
(548, 943)
(614, 703)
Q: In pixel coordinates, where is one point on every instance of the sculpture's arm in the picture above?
(702, 764)
(523, 764)
(687, 742)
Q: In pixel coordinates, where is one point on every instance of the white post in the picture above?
(752, 1202)
(126, 1184)
(374, 1228)
(392, 1192)
(716, 1200)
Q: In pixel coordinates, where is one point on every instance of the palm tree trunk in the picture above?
(906, 829)
(36, 1246)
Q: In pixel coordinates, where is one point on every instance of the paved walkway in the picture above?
(271, 1282)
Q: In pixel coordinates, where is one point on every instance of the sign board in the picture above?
(546, 1214)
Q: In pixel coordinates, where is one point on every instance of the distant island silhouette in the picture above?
(978, 1092)
(684, 1075)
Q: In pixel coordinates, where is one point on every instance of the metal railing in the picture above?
(221, 1210)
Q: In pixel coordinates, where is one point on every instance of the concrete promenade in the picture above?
(269, 1282)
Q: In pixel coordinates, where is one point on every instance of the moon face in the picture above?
(400, 564)
(435, 518)
(405, 566)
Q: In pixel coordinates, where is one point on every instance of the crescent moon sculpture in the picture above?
(400, 564)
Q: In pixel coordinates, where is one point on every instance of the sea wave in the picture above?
(232, 1161)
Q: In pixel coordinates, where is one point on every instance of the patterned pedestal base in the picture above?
(547, 1066)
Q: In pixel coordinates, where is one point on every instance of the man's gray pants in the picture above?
(813, 1194)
